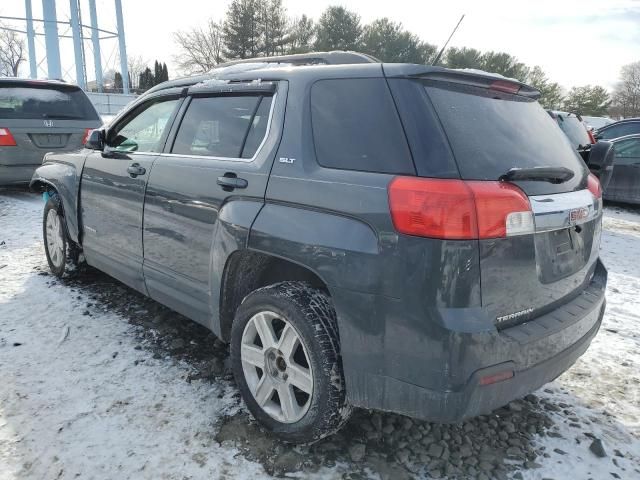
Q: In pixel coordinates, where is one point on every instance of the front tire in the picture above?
(285, 355)
(62, 254)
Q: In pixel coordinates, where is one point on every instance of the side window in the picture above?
(143, 131)
(228, 127)
(621, 130)
(258, 129)
(356, 127)
(628, 152)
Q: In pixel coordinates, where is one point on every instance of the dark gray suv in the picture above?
(388, 236)
(36, 117)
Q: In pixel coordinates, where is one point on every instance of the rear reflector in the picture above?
(504, 86)
(593, 184)
(6, 139)
(496, 377)
(457, 209)
(85, 137)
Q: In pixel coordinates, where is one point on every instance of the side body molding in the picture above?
(64, 177)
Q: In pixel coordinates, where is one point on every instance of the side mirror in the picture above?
(601, 161)
(95, 140)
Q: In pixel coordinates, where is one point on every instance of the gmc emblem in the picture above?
(578, 214)
(48, 123)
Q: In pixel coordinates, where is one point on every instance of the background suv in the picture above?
(402, 239)
(36, 117)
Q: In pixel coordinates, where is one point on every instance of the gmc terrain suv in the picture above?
(388, 236)
(36, 117)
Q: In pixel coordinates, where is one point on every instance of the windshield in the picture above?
(491, 132)
(45, 102)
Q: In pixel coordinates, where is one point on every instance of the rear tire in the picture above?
(285, 355)
(62, 254)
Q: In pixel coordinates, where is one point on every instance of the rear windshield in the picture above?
(39, 102)
(491, 132)
(574, 129)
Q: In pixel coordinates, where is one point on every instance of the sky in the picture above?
(577, 42)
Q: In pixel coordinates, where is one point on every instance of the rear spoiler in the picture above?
(475, 78)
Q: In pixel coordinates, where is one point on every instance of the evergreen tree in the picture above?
(242, 29)
(338, 29)
(302, 35)
(147, 80)
(389, 42)
(588, 100)
(117, 82)
(550, 92)
(273, 19)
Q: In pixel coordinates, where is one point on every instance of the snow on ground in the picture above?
(86, 392)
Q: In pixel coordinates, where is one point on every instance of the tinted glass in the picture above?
(258, 128)
(32, 103)
(627, 152)
(356, 127)
(431, 153)
(143, 131)
(574, 129)
(621, 130)
(491, 132)
(215, 126)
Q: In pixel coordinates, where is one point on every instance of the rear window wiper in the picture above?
(539, 174)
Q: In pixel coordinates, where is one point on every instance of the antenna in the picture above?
(447, 42)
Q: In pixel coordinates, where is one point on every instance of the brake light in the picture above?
(85, 137)
(497, 377)
(504, 86)
(457, 209)
(592, 139)
(593, 184)
(6, 139)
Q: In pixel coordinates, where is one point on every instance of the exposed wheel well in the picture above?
(247, 271)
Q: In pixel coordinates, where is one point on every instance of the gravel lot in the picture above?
(100, 382)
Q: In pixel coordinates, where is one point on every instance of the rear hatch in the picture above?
(42, 117)
(509, 152)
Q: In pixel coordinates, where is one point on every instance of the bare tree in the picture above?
(12, 52)
(626, 97)
(136, 65)
(201, 49)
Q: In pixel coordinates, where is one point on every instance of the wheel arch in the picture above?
(247, 270)
(64, 180)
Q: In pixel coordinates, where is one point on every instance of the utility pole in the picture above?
(31, 40)
(95, 39)
(51, 39)
(124, 68)
(76, 31)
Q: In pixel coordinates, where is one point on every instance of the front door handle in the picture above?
(135, 169)
(230, 182)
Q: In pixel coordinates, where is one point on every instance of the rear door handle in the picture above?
(135, 169)
(229, 182)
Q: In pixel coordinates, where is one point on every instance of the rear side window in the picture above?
(356, 127)
(44, 102)
(491, 132)
(228, 127)
(627, 152)
(621, 130)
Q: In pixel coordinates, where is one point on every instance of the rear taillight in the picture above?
(6, 139)
(85, 137)
(592, 139)
(457, 209)
(593, 184)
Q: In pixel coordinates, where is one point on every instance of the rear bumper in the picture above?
(17, 174)
(450, 390)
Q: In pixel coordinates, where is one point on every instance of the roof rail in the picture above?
(337, 57)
